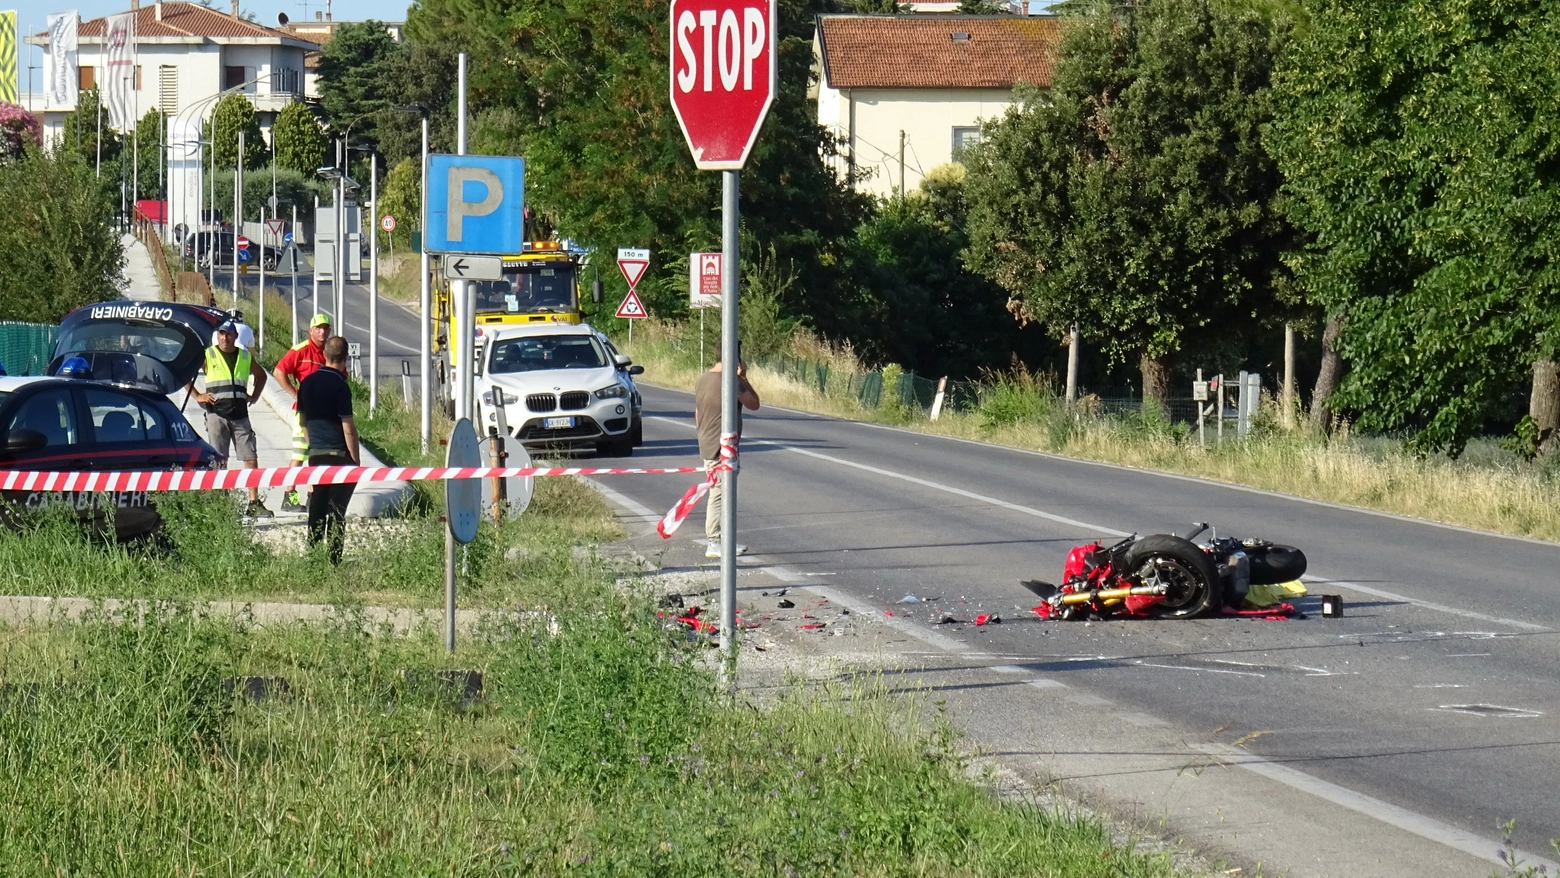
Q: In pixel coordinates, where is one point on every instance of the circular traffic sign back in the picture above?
(388, 223)
(463, 497)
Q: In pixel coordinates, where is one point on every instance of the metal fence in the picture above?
(25, 348)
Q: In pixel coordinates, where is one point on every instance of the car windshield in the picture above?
(529, 289)
(536, 353)
(160, 341)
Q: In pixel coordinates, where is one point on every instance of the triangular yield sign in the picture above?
(631, 308)
(275, 225)
(633, 270)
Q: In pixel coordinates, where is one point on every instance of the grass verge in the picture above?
(1487, 488)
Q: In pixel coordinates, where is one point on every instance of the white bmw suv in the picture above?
(562, 386)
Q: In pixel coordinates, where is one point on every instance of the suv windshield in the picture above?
(529, 289)
(536, 353)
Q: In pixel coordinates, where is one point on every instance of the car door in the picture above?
(48, 422)
(128, 435)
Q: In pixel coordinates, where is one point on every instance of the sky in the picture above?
(30, 18)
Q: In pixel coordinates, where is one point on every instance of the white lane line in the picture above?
(1028, 510)
(1388, 813)
(925, 483)
(1393, 815)
(1426, 605)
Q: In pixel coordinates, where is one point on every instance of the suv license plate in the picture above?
(557, 423)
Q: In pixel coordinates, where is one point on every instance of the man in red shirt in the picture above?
(297, 364)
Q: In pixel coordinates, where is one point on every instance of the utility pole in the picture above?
(1072, 364)
(901, 163)
(373, 284)
(425, 302)
(238, 211)
(1289, 376)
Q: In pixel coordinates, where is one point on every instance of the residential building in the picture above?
(903, 94)
(187, 56)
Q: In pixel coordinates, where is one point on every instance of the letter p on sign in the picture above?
(475, 204)
(723, 77)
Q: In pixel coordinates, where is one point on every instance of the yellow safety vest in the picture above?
(223, 383)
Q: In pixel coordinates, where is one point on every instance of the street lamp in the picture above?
(425, 297)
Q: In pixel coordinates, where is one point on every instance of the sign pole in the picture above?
(373, 288)
(293, 291)
(463, 340)
(238, 207)
(728, 424)
(425, 303)
(260, 328)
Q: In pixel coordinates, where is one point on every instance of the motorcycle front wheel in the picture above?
(1195, 587)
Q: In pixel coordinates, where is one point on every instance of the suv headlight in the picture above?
(616, 391)
(509, 398)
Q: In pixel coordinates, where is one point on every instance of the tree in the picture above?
(82, 129)
(293, 190)
(233, 114)
(401, 197)
(934, 315)
(19, 129)
(1134, 198)
(58, 246)
(579, 88)
(299, 143)
(358, 79)
(148, 144)
(1420, 157)
(424, 76)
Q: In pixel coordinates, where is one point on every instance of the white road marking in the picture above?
(1426, 605)
(1409, 821)
(1202, 670)
(1393, 815)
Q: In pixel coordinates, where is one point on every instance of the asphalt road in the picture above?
(398, 323)
(1436, 695)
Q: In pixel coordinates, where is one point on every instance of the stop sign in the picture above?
(724, 76)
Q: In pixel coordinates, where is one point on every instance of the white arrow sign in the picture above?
(466, 267)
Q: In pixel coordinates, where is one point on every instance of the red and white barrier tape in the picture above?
(673, 519)
(288, 476)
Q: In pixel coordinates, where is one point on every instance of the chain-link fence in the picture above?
(25, 348)
(916, 392)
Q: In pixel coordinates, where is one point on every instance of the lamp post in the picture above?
(373, 277)
(425, 297)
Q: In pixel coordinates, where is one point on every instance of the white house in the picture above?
(187, 55)
(905, 93)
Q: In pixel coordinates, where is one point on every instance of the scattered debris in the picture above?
(947, 619)
(785, 605)
(671, 601)
(909, 599)
(988, 619)
(812, 626)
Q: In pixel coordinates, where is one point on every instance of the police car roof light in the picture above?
(75, 367)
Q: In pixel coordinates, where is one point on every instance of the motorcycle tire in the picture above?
(1275, 563)
(1195, 587)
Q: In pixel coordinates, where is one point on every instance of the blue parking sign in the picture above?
(476, 204)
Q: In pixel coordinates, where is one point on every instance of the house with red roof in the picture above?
(903, 94)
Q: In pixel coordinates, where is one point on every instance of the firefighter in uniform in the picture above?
(297, 364)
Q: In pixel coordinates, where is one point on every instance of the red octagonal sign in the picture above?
(724, 76)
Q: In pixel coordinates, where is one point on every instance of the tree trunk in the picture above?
(1156, 383)
(1331, 373)
(1544, 405)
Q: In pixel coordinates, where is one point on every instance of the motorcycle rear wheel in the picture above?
(1195, 587)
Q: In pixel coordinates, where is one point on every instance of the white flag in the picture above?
(60, 73)
(118, 85)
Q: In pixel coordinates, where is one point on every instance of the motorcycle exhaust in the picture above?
(1054, 595)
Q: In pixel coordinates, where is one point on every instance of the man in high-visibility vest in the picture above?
(297, 364)
(227, 399)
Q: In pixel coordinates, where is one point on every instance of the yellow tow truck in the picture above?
(541, 284)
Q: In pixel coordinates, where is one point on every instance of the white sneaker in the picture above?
(714, 550)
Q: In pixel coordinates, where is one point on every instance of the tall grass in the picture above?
(1487, 488)
(601, 749)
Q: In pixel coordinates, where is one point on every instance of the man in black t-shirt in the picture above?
(325, 405)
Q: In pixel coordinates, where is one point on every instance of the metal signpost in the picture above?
(260, 327)
(704, 276)
(723, 77)
(373, 286)
(632, 262)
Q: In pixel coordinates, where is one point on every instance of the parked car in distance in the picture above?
(563, 386)
(82, 425)
(196, 244)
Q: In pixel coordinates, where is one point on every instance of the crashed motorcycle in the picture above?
(1164, 576)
